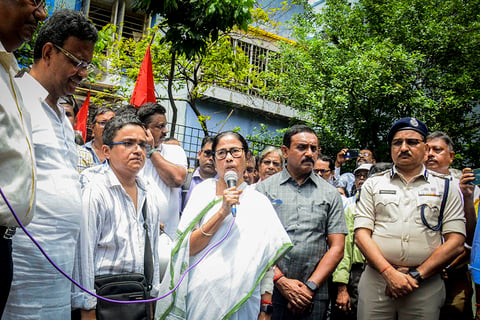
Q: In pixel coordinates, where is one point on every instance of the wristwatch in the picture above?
(267, 308)
(150, 152)
(311, 285)
(413, 272)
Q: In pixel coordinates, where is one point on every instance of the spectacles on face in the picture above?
(274, 163)
(410, 142)
(40, 4)
(132, 145)
(222, 153)
(321, 171)
(207, 153)
(79, 64)
(363, 175)
(364, 154)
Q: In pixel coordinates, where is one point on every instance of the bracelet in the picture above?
(277, 277)
(150, 152)
(385, 269)
(204, 233)
(266, 302)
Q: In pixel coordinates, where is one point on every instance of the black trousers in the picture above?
(6, 270)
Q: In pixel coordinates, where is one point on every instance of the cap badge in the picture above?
(414, 122)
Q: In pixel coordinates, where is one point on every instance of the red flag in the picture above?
(144, 87)
(82, 117)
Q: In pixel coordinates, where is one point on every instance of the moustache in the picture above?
(404, 153)
(308, 160)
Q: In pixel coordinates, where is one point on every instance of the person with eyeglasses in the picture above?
(270, 162)
(347, 179)
(205, 170)
(409, 224)
(19, 20)
(227, 283)
(56, 223)
(95, 146)
(311, 212)
(112, 233)
(325, 168)
(166, 163)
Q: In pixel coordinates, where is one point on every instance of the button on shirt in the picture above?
(391, 208)
(309, 213)
(17, 162)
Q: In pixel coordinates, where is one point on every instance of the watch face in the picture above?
(311, 285)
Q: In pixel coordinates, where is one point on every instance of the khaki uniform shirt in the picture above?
(391, 208)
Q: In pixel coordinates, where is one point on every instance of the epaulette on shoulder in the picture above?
(380, 173)
(438, 175)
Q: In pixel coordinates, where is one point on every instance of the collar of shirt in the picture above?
(8, 59)
(35, 88)
(423, 173)
(113, 181)
(286, 176)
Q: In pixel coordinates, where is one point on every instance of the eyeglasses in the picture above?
(321, 171)
(131, 145)
(363, 175)
(364, 154)
(207, 153)
(222, 153)
(40, 4)
(79, 64)
(269, 162)
(410, 142)
(102, 123)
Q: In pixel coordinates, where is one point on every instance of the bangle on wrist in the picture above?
(385, 269)
(277, 277)
(265, 302)
(204, 233)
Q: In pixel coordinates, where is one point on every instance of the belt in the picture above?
(7, 232)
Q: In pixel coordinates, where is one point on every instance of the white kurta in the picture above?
(38, 290)
(176, 155)
(225, 285)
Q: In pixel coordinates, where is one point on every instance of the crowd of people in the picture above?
(282, 235)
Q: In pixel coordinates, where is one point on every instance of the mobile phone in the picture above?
(476, 172)
(352, 154)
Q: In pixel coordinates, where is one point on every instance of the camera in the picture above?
(351, 154)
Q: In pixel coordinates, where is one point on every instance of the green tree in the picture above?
(358, 67)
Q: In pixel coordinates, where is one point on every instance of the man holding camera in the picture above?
(347, 180)
(458, 282)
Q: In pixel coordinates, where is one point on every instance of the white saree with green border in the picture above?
(225, 285)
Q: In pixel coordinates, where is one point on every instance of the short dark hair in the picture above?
(117, 123)
(61, 25)
(237, 135)
(101, 110)
(128, 109)
(147, 110)
(206, 140)
(441, 135)
(298, 128)
(331, 163)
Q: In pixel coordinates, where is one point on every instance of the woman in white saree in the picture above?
(226, 284)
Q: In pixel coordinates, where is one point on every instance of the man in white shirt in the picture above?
(62, 55)
(112, 237)
(17, 162)
(166, 163)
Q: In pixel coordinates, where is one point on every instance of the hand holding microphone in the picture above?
(231, 178)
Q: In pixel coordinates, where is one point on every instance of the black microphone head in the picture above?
(230, 178)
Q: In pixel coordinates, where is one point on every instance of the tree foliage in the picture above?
(358, 67)
(190, 25)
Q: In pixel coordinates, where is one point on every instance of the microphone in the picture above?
(231, 178)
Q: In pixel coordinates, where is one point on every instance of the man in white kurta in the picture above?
(38, 290)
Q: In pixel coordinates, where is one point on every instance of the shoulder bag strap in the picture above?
(147, 256)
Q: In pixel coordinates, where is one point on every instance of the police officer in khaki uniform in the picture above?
(400, 221)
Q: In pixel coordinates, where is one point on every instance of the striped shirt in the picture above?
(112, 238)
